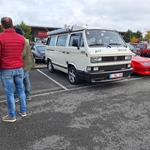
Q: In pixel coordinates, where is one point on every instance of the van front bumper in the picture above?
(106, 75)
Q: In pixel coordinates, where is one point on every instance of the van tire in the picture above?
(73, 76)
(50, 66)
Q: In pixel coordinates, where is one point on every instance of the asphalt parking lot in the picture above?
(61, 116)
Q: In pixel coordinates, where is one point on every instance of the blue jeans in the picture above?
(27, 85)
(26, 82)
(10, 78)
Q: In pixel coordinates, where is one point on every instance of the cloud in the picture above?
(116, 14)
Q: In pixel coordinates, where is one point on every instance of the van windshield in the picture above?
(107, 38)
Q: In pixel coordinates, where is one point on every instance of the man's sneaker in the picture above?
(28, 98)
(23, 114)
(8, 119)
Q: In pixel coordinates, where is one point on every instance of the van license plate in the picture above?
(116, 75)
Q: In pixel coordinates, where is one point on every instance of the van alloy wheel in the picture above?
(50, 66)
(73, 76)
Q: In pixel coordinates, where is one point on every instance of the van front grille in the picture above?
(114, 67)
(113, 58)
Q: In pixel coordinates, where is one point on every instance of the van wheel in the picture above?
(73, 76)
(50, 66)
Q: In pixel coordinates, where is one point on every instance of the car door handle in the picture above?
(67, 52)
(63, 52)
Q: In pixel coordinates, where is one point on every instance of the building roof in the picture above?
(44, 27)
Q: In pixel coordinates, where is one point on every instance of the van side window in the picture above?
(61, 40)
(52, 40)
(78, 38)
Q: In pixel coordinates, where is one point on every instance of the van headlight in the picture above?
(128, 57)
(96, 59)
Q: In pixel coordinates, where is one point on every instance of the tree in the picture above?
(134, 40)
(26, 29)
(147, 36)
(128, 36)
(138, 35)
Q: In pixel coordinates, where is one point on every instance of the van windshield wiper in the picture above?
(115, 44)
(97, 44)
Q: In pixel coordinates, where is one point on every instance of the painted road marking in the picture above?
(52, 79)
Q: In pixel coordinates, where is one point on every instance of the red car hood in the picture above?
(140, 59)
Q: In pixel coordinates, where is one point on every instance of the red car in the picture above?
(140, 65)
(144, 48)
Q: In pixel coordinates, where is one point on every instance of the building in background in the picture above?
(39, 33)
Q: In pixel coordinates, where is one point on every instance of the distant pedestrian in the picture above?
(11, 63)
(28, 64)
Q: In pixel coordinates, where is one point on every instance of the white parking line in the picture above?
(52, 79)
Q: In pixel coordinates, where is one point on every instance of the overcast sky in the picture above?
(116, 14)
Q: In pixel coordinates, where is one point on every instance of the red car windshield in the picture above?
(141, 46)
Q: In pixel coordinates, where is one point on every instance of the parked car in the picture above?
(144, 48)
(134, 49)
(32, 44)
(38, 51)
(140, 65)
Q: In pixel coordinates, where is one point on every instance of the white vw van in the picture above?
(90, 53)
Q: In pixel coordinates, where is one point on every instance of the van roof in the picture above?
(66, 30)
(72, 29)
